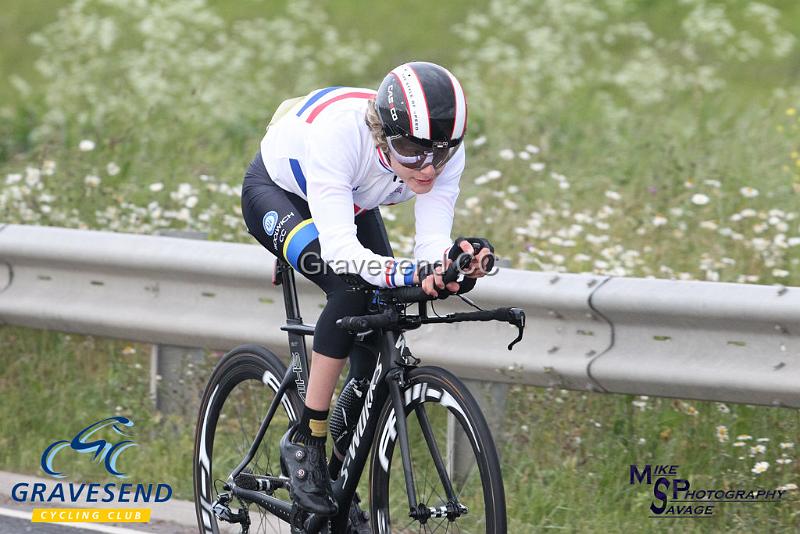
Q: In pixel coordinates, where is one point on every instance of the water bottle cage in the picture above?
(345, 414)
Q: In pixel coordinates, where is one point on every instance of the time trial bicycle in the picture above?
(434, 468)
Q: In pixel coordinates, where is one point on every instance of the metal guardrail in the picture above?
(700, 340)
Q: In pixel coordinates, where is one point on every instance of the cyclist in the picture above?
(311, 197)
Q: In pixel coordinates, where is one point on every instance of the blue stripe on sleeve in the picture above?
(319, 94)
(408, 277)
(298, 174)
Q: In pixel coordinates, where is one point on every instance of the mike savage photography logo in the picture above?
(102, 442)
(675, 497)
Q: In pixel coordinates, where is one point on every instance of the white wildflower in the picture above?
(700, 199)
(87, 145)
(472, 202)
(744, 437)
(786, 445)
(613, 195)
(191, 202)
(722, 433)
(509, 204)
(788, 487)
(156, 187)
(780, 273)
(479, 141)
(748, 212)
(494, 174)
(506, 154)
(713, 183)
(91, 180)
(32, 176)
(112, 169)
(658, 220)
(533, 149)
(13, 178)
(48, 167)
(749, 192)
(537, 167)
(523, 155)
(760, 467)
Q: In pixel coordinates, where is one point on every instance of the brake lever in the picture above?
(518, 320)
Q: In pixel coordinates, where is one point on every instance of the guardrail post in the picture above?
(168, 363)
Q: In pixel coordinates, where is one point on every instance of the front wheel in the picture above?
(454, 462)
(236, 399)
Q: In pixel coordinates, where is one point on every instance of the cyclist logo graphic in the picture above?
(104, 451)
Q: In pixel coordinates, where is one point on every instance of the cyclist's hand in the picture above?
(476, 268)
(433, 281)
(482, 262)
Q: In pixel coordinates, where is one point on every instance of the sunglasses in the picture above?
(412, 155)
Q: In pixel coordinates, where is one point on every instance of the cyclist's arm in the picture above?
(330, 164)
(433, 212)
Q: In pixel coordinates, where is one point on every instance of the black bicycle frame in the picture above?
(387, 379)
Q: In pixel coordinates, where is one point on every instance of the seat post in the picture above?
(285, 274)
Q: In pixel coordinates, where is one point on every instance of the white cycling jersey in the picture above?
(322, 150)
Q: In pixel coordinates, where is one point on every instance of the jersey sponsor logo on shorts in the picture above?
(269, 222)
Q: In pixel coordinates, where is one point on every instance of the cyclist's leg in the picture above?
(281, 222)
(372, 234)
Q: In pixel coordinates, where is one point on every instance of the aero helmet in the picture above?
(423, 111)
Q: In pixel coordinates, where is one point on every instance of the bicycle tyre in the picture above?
(249, 377)
(443, 396)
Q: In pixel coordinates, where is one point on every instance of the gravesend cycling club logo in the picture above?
(83, 443)
(675, 497)
(102, 442)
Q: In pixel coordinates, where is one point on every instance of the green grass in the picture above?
(638, 188)
(565, 455)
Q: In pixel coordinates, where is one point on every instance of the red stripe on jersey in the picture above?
(388, 275)
(317, 110)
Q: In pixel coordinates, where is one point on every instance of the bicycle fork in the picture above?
(396, 380)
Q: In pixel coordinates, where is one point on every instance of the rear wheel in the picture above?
(445, 424)
(236, 399)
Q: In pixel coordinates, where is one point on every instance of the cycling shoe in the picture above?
(310, 484)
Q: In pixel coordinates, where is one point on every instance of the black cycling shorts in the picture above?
(281, 222)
